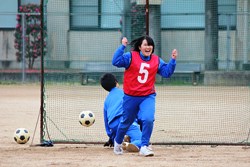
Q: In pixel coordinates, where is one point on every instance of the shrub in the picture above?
(32, 34)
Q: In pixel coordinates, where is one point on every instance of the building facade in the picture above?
(90, 31)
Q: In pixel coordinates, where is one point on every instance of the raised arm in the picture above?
(121, 59)
(167, 69)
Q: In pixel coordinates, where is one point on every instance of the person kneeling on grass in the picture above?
(113, 110)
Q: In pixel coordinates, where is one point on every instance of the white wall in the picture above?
(89, 46)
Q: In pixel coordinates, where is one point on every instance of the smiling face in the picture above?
(145, 48)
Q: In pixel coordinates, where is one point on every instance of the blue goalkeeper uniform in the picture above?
(134, 106)
(113, 114)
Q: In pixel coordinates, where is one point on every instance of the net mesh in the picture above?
(207, 100)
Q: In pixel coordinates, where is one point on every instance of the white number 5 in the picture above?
(143, 71)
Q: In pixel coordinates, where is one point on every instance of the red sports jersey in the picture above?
(139, 78)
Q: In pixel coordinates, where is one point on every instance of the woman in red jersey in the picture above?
(141, 66)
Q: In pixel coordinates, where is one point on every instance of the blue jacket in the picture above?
(112, 108)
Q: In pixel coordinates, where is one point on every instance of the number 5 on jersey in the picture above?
(143, 71)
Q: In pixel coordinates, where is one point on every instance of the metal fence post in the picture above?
(24, 46)
(228, 41)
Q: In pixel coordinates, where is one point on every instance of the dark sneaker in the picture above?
(132, 148)
(126, 139)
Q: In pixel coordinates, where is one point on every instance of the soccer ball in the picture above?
(21, 136)
(87, 118)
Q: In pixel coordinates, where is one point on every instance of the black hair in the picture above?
(136, 43)
(108, 81)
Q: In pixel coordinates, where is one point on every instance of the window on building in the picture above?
(95, 14)
(84, 13)
(24, 2)
(182, 14)
(8, 11)
(111, 13)
(227, 13)
(185, 14)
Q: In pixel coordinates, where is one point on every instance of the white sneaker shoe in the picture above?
(118, 149)
(146, 151)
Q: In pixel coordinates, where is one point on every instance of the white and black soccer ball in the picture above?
(87, 118)
(21, 136)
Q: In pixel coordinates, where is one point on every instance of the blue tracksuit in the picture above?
(112, 116)
(142, 107)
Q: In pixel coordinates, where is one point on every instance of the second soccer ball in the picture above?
(87, 118)
(21, 136)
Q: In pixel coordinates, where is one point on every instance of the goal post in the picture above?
(213, 110)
